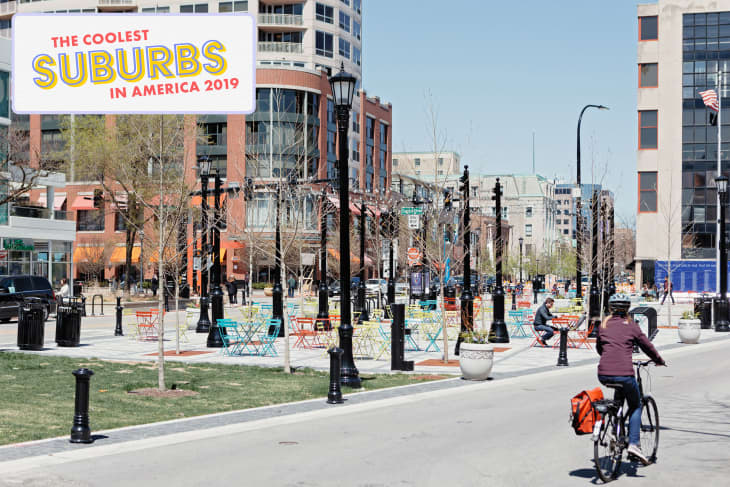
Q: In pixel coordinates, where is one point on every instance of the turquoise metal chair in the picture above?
(268, 338)
(232, 341)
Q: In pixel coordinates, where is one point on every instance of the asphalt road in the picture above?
(512, 432)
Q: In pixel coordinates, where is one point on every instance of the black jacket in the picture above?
(543, 315)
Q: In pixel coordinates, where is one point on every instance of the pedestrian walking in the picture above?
(667, 288)
(291, 284)
(231, 286)
(542, 316)
(154, 284)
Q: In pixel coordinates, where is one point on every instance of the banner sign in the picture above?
(687, 275)
(134, 63)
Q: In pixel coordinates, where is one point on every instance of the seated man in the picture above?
(542, 316)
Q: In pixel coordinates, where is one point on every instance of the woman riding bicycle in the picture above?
(616, 337)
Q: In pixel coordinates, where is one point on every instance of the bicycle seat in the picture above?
(614, 385)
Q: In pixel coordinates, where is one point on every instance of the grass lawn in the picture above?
(37, 398)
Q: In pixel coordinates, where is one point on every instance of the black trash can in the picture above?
(649, 325)
(703, 310)
(31, 325)
(77, 289)
(68, 322)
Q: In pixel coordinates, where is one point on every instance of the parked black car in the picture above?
(14, 288)
(333, 288)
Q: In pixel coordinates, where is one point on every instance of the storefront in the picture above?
(48, 258)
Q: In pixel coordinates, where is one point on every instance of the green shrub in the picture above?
(261, 285)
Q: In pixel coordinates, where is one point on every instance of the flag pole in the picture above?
(719, 173)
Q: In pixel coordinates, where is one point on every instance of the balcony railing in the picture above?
(291, 47)
(8, 8)
(280, 19)
(37, 212)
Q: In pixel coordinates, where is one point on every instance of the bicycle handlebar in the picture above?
(641, 363)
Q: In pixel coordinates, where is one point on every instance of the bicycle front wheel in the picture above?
(607, 450)
(649, 428)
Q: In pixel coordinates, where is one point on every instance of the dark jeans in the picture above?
(232, 298)
(631, 393)
(291, 292)
(670, 295)
(549, 332)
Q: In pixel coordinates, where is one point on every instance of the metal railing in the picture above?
(280, 19)
(36, 212)
(291, 47)
(8, 8)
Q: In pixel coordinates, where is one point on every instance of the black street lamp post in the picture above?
(277, 292)
(594, 304)
(604, 255)
(721, 321)
(343, 89)
(612, 254)
(392, 229)
(323, 315)
(467, 299)
(203, 322)
(361, 289)
(216, 293)
(578, 242)
(498, 331)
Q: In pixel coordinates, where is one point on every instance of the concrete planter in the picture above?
(268, 291)
(689, 330)
(310, 310)
(476, 360)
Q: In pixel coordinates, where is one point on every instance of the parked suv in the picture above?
(13, 289)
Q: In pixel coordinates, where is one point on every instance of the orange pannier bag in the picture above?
(583, 414)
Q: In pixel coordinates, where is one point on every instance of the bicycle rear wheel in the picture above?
(649, 428)
(607, 450)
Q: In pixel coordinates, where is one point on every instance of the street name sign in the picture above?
(411, 210)
(134, 63)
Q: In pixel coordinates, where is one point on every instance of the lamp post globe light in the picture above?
(343, 90)
(216, 293)
(203, 325)
(578, 242)
(721, 322)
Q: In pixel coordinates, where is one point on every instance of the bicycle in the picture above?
(610, 433)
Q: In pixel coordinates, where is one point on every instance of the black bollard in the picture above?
(243, 297)
(80, 431)
(334, 396)
(398, 339)
(514, 300)
(167, 300)
(118, 330)
(563, 354)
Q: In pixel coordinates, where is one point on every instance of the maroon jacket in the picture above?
(615, 343)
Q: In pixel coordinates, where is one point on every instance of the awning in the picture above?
(121, 203)
(58, 200)
(198, 200)
(86, 254)
(231, 244)
(119, 255)
(336, 202)
(83, 203)
(355, 259)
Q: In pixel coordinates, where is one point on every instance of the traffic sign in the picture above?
(414, 256)
(411, 210)
(196, 263)
(414, 222)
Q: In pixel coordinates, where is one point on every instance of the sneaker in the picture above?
(635, 451)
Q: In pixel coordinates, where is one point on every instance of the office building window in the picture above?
(648, 30)
(647, 192)
(198, 8)
(156, 10)
(648, 75)
(226, 7)
(528, 230)
(344, 48)
(441, 161)
(356, 55)
(356, 29)
(355, 122)
(344, 21)
(395, 162)
(383, 134)
(356, 5)
(325, 13)
(565, 232)
(346, 2)
(417, 162)
(370, 129)
(324, 44)
(648, 129)
(528, 212)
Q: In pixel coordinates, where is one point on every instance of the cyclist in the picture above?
(616, 337)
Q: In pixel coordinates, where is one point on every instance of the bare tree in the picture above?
(18, 173)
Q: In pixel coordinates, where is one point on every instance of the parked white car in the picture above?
(375, 285)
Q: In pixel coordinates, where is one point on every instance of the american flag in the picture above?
(709, 97)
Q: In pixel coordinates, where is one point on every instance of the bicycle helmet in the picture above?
(619, 302)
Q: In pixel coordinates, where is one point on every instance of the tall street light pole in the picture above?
(521, 240)
(578, 242)
(721, 321)
(277, 292)
(323, 315)
(361, 285)
(498, 331)
(203, 322)
(343, 90)
(392, 229)
(604, 254)
(612, 254)
(467, 299)
(216, 293)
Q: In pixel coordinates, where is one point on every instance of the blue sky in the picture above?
(497, 74)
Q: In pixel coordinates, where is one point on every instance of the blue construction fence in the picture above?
(687, 275)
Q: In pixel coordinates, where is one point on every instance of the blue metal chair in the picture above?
(268, 338)
(232, 342)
